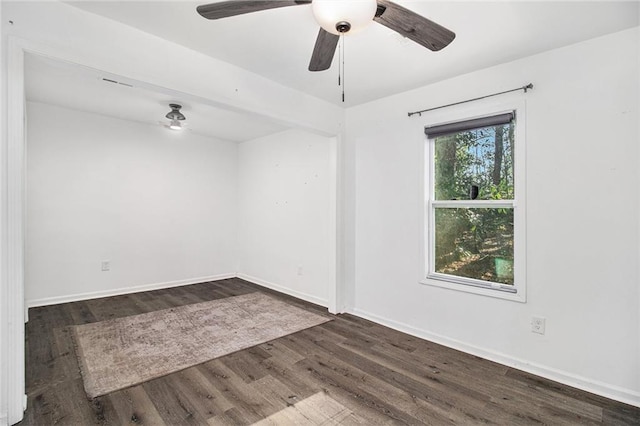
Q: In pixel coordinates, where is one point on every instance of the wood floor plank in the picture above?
(120, 306)
(199, 392)
(65, 363)
(65, 403)
(40, 349)
(246, 363)
(574, 410)
(234, 390)
(276, 392)
(133, 406)
(205, 388)
(144, 303)
(286, 372)
(187, 296)
(360, 371)
(80, 312)
(402, 377)
(386, 401)
(318, 409)
(279, 351)
(231, 417)
(621, 416)
(339, 371)
(476, 393)
(172, 404)
(202, 291)
(376, 334)
(177, 297)
(369, 414)
(157, 302)
(42, 346)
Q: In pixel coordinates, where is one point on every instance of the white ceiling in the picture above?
(81, 88)
(277, 43)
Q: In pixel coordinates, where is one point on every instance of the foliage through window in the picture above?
(472, 203)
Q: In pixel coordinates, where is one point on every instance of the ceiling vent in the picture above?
(108, 80)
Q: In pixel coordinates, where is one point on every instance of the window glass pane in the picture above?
(475, 243)
(475, 164)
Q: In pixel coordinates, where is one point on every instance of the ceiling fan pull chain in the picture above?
(342, 50)
(339, 64)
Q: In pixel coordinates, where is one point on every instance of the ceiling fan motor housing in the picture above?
(343, 27)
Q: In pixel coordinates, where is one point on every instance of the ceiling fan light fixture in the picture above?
(341, 16)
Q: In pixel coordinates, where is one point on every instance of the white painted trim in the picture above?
(285, 290)
(332, 273)
(170, 284)
(476, 204)
(465, 112)
(627, 396)
(4, 371)
(125, 290)
(15, 305)
(341, 223)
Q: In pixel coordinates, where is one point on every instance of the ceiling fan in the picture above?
(338, 17)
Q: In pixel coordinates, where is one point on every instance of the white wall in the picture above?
(160, 205)
(582, 218)
(284, 214)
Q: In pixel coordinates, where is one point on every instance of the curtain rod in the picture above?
(525, 88)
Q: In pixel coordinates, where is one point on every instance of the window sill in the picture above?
(483, 291)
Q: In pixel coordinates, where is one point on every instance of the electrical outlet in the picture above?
(537, 325)
(106, 265)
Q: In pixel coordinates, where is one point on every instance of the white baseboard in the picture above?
(627, 396)
(124, 290)
(285, 290)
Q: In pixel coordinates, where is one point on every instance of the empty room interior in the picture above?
(286, 212)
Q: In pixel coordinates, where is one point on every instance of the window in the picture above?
(475, 226)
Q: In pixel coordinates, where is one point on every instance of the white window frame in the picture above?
(517, 291)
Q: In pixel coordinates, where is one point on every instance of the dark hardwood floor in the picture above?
(346, 371)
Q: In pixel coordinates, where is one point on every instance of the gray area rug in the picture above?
(123, 352)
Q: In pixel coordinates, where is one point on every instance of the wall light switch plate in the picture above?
(106, 265)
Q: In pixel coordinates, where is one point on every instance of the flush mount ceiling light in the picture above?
(175, 116)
